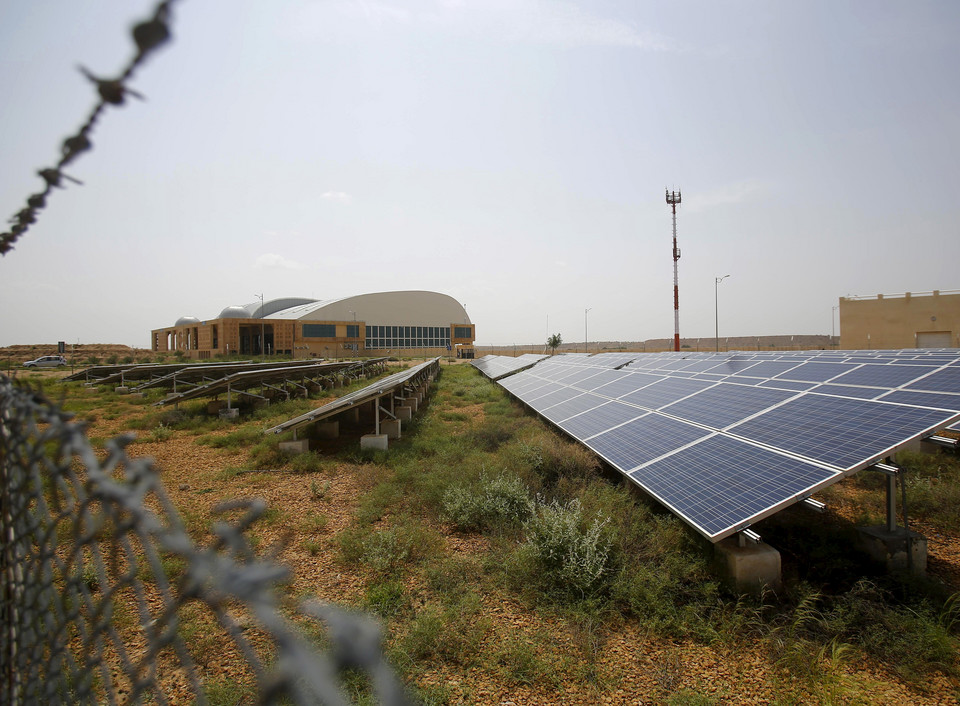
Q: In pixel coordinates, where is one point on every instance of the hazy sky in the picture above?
(510, 153)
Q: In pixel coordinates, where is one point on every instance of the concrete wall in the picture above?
(899, 321)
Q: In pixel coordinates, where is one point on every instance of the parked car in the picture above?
(46, 361)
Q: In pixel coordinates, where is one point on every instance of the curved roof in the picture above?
(187, 321)
(383, 308)
(272, 306)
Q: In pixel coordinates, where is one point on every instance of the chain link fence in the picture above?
(107, 599)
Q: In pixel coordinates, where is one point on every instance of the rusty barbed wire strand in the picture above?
(147, 36)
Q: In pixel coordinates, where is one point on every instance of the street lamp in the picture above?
(263, 345)
(716, 307)
(585, 339)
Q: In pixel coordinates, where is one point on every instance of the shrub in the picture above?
(499, 501)
(570, 554)
(306, 462)
(161, 432)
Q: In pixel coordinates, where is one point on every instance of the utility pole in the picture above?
(673, 198)
(585, 312)
(716, 308)
(263, 344)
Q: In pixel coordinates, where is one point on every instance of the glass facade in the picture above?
(319, 331)
(387, 337)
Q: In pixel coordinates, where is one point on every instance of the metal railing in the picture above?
(105, 598)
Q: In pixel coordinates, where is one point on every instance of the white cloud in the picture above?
(725, 195)
(338, 196)
(273, 261)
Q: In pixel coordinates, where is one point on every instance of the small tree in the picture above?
(554, 342)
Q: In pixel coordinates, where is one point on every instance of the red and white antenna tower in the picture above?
(673, 198)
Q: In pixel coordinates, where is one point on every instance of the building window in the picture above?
(462, 332)
(319, 331)
(353, 331)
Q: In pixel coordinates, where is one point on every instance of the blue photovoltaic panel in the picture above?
(720, 484)
(520, 381)
(524, 387)
(710, 376)
(839, 431)
(946, 380)
(724, 454)
(767, 368)
(600, 379)
(530, 394)
(555, 397)
(665, 392)
(882, 375)
(731, 367)
(643, 440)
(924, 399)
(581, 375)
(701, 366)
(815, 372)
(862, 393)
(628, 382)
(605, 417)
(787, 385)
(725, 404)
(575, 405)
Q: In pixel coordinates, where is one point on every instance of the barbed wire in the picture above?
(148, 36)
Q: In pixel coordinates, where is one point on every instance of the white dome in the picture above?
(187, 321)
(234, 312)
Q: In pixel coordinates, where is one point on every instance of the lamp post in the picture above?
(716, 307)
(585, 339)
(833, 324)
(263, 343)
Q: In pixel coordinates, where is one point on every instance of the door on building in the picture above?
(934, 339)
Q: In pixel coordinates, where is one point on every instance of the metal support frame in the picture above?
(747, 535)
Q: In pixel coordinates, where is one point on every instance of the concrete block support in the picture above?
(231, 413)
(328, 430)
(295, 447)
(214, 406)
(377, 442)
(390, 427)
(351, 416)
(749, 568)
(404, 412)
(899, 550)
(410, 402)
(121, 389)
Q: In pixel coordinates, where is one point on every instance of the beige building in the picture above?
(887, 321)
(384, 323)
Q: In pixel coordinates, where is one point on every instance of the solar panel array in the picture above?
(499, 366)
(384, 386)
(724, 440)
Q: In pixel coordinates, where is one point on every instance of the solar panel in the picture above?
(863, 393)
(721, 485)
(726, 404)
(664, 392)
(874, 375)
(945, 380)
(815, 372)
(725, 440)
(839, 431)
(644, 439)
(600, 419)
(572, 406)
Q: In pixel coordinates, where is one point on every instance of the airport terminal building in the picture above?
(383, 323)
